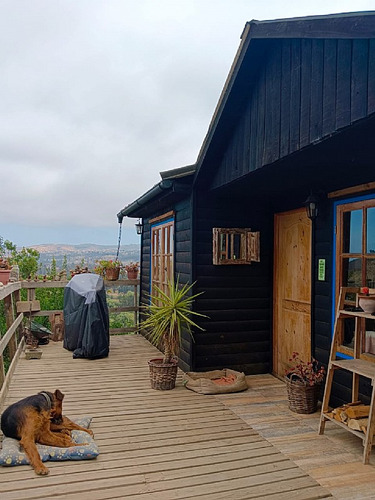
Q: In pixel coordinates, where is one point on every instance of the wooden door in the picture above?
(292, 288)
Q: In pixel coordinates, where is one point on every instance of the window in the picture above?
(355, 262)
(235, 246)
(355, 244)
(162, 237)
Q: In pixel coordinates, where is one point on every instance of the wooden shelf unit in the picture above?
(358, 367)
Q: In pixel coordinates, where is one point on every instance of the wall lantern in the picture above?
(139, 227)
(311, 205)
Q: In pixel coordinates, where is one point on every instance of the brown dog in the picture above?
(61, 423)
(28, 421)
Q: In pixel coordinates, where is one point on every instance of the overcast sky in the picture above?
(98, 96)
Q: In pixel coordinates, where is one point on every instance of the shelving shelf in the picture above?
(358, 367)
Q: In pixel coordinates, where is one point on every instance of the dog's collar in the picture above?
(48, 399)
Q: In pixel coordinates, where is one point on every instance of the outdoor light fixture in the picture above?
(311, 205)
(139, 227)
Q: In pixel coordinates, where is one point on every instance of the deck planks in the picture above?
(153, 444)
(333, 459)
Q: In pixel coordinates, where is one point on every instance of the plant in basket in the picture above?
(108, 269)
(168, 314)
(303, 380)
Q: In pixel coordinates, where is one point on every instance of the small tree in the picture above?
(27, 259)
(168, 315)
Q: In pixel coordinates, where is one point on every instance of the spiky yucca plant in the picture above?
(168, 314)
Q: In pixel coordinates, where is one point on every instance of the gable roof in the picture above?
(353, 25)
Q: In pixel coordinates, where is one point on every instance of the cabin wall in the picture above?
(305, 90)
(182, 259)
(236, 298)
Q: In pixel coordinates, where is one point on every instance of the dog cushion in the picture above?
(215, 381)
(12, 454)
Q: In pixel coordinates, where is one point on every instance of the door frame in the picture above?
(275, 305)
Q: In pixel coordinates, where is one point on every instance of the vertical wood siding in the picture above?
(304, 91)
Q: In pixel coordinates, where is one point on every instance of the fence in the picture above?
(13, 338)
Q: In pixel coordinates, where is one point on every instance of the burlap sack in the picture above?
(202, 382)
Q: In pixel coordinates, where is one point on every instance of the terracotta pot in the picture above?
(132, 275)
(112, 274)
(4, 276)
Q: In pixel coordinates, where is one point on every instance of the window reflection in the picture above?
(369, 339)
(370, 230)
(370, 273)
(352, 237)
(352, 272)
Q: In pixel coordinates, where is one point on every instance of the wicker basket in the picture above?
(302, 398)
(162, 375)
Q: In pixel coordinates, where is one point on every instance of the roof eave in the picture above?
(362, 26)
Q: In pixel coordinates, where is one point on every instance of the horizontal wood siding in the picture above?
(236, 298)
(322, 301)
(305, 90)
(182, 261)
(183, 267)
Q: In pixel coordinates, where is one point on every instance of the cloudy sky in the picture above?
(98, 96)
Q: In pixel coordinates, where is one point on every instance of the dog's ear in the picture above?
(59, 395)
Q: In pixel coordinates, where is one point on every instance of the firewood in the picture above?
(358, 411)
(357, 424)
(343, 416)
(337, 413)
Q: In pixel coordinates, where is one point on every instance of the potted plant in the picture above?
(132, 270)
(303, 381)
(108, 269)
(166, 317)
(5, 268)
(366, 301)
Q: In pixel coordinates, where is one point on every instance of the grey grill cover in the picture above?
(86, 317)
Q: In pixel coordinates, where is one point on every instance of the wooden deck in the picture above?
(333, 459)
(160, 445)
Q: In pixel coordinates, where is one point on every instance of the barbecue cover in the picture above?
(86, 317)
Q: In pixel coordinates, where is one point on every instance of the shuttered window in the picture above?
(235, 246)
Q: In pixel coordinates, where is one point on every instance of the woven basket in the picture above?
(302, 398)
(162, 375)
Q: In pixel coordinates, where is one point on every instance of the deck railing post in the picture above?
(9, 319)
(17, 298)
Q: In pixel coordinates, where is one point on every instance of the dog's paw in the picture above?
(42, 471)
(89, 431)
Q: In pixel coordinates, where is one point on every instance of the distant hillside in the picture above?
(85, 254)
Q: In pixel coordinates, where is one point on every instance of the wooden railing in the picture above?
(13, 339)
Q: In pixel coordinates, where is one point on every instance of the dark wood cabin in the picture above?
(296, 118)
